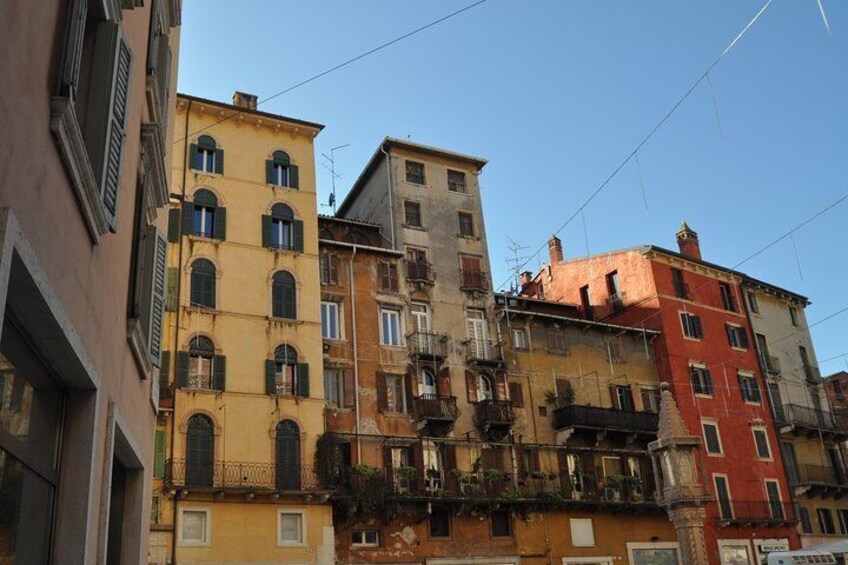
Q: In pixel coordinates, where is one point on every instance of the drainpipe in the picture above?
(355, 356)
(391, 206)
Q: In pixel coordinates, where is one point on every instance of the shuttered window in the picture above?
(287, 456)
(200, 367)
(279, 171)
(153, 293)
(737, 336)
(284, 296)
(159, 454)
(691, 325)
(388, 277)
(749, 388)
(333, 388)
(329, 268)
(702, 380)
(203, 217)
(761, 442)
(516, 394)
(200, 451)
(284, 375)
(712, 439)
(206, 157)
(280, 230)
(203, 283)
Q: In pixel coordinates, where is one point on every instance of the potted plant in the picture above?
(614, 484)
(551, 397)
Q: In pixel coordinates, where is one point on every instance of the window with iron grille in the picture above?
(456, 181)
(466, 224)
(415, 172)
(412, 213)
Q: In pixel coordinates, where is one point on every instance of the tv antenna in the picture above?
(333, 174)
(514, 261)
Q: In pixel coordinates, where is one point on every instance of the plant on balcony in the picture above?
(493, 475)
(511, 495)
(537, 475)
(329, 463)
(568, 397)
(407, 473)
(551, 397)
(614, 484)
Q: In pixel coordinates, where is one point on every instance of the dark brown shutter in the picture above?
(417, 461)
(387, 461)
(219, 377)
(699, 330)
(588, 462)
(743, 337)
(382, 395)
(520, 461)
(349, 386)
(444, 382)
(516, 394)
(407, 383)
(449, 457)
(471, 386)
(614, 397)
(562, 386)
(729, 331)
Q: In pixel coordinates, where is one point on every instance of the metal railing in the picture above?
(771, 364)
(435, 407)
(817, 475)
(604, 418)
(754, 511)
(239, 476)
(812, 418)
(483, 350)
(428, 344)
(494, 412)
(474, 280)
(419, 271)
(812, 373)
(616, 301)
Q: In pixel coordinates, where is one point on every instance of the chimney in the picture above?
(555, 249)
(245, 100)
(687, 241)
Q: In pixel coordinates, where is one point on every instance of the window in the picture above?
(456, 181)
(396, 400)
(737, 336)
(773, 497)
(681, 289)
(290, 530)
(734, 552)
(333, 387)
(702, 380)
(586, 303)
(793, 315)
(842, 514)
(466, 224)
(806, 523)
(516, 395)
(691, 325)
(280, 230)
(203, 216)
(727, 299)
(750, 388)
(614, 352)
(412, 213)
(417, 267)
(279, 170)
(582, 532)
(650, 399)
(287, 456)
(761, 442)
(155, 504)
(390, 327)
(415, 172)
(283, 296)
(365, 538)
(557, 342)
(471, 272)
(439, 523)
(284, 376)
(330, 323)
(195, 526)
(753, 303)
(201, 359)
(712, 439)
(725, 506)
(485, 387)
(612, 285)
(622, 397)
(825, 521)
(207, 157)
(543, 411)
(501, 524)
(388, 277)
(203, 283)
(421, 323)
(653, 553)
(519, 338)
(329, 268)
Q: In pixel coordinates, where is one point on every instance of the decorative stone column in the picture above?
(680, 490)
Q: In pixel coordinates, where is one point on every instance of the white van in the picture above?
(801, 557)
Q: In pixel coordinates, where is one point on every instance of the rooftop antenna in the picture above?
(333, 174)
(514, 261)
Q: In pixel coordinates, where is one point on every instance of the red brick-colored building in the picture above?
(836, 387)
(706, 353)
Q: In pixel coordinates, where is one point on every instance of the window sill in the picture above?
(702, 395)
(753, 403)
(285, 321)
(721, 455)
(205, 174)
(282, 545)
(138, 346)
(414, 183)
(334, 340)
(698, 339)
(416, 228)
(194, 308)
(283, 250)
(734, 348)
(468, 237)
(200, 390)
(397, 415)
(288, 188)
(71, 145)
(401, 347)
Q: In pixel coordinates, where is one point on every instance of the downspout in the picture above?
(391, 206)
(177, 331)
(355, 356)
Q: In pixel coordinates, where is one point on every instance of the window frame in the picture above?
(820, 511)
(364, 542)
(764, 431)
(335, 374)
(724, 477)
(417, 213)
(705, 380)
(737, 336)
(842, 518)
(207, 541)
(728, 300)
(469, 216)
(688, 326)
(507, 521)
(705, 422)
(332, 305)
(452, 183)
(412, 177)
(804, 519)
(303, 527)
(402, 403)
(746, 391)
(397, 313)
(753, 302)
(525, 339)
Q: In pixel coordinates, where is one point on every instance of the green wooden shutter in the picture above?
(266, 230)
(219, 378)
(157, 295)
(729, 331)
(289, 301)
(303, 380)
(165, 368)
(294, 177)
(220, 229)
(182, 369)
(696, 325)
(172, 297)
(159, 454)
(708, 379)
(192, 156)
(743, 337)
(188, 218)
(174, 225)
(270, 377)
(269, 172)
(297, 226)
(219, 161)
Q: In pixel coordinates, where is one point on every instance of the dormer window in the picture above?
(279, 170)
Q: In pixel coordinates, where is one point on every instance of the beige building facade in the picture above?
(86, 89)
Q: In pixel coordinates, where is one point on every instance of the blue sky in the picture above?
(556, 93)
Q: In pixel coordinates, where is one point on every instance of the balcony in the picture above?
(591, 417)
(419, 271)
(435, 407)
(811, 421)
(812, 374)
(483, 352)
(474, 280)
(771, 364)
(494, 417)
(428, 345)
(238, 476)
(819, 480)
(615, 301)
(754, 513)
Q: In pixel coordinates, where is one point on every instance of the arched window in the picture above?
(205, 204)
(201, 355)
(280, 230)
(288, 456)
(200, 451)
(283, 296)
(284, 376)
(205, 155)
(280, 171)
(203, 283)
(428, 381)
(485, 387)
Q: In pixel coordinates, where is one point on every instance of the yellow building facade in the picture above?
(241, 400)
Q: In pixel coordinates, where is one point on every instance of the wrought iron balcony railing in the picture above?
(239, 476)
(616, 301)
(474, 280)
(605, 418)
(754, 512)
(817, 475)
(435, 407)
(428, 344)
(494, 413)
(419, 271)
(483, 351)
(813, 419)
(812, 374)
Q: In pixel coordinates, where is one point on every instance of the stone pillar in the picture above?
(688, 522)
